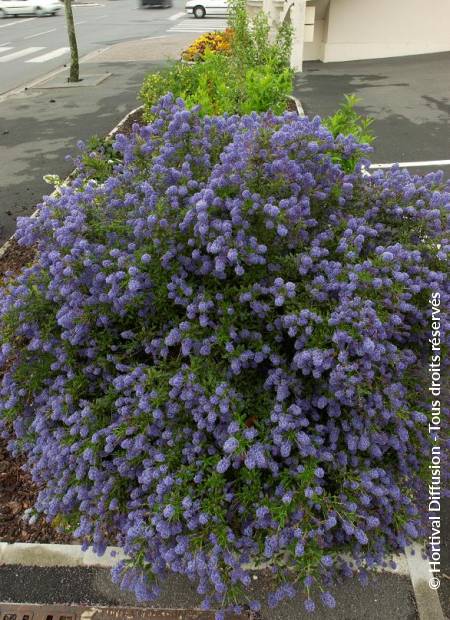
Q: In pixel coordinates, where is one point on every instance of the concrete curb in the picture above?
(37, 554)
(298, 103)
(40, 554)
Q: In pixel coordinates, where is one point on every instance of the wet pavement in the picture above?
(386, 597)
(409, 99)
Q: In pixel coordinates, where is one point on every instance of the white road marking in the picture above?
(413, 164)
(78, 23)
(26, 52)
(4, 48)
(176, 16)
(194, 25)
(50, 55)
(38, 34)
(161, 36)
(19, 21)
(427, 600)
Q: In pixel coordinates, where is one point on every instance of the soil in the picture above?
(15, 257)
(291, 105)
(17, 493)
(126, 126)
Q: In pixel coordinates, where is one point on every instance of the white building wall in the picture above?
(359, 29)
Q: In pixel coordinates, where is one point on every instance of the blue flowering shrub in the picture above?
(212, 362)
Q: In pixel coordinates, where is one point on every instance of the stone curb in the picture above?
(298, 103)
(53, 554)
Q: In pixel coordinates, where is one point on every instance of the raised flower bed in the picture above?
(217, 347)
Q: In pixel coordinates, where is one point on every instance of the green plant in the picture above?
(251, 45)
(266, 88)
(179, 79)
(253, 77)
(98, 157)
(218, 86)
(347, 121)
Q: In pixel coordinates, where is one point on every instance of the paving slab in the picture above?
(141, 50)
(409, 99)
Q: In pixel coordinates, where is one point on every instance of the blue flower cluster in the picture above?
(213, 360)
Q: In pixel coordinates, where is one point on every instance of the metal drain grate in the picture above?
(10, 611)
(38, 613)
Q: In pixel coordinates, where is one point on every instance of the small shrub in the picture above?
(217, 86)
(253, 76)
(213, 360)
(346, 121)
(251, 45)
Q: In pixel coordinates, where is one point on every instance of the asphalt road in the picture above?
(32, 46)
(408, 99)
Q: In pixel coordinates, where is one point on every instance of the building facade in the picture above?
(339, 30)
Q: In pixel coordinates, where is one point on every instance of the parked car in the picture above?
(29, 7)
(202, 8)
(166, 4)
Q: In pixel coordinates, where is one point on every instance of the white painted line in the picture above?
(15, 23)
(176, 16)
(79, 23)
(185, 30)
(4, 48)
(413, 164)
(50, 55)
(161, 36)
(26, 52)
(427, 599)
(39, 34)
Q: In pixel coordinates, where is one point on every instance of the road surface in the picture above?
(32, 46)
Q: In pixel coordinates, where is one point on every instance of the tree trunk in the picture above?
(74, 75)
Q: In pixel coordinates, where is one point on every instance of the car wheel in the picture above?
(199, 12)
(39, 12)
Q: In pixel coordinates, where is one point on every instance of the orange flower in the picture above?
(219, 42)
